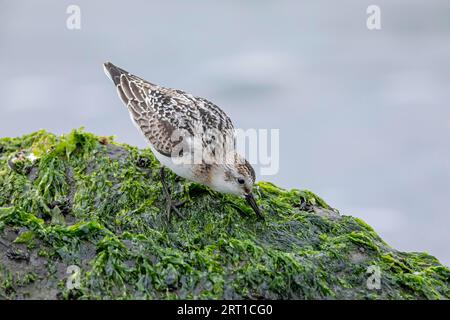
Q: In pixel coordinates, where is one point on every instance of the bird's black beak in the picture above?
(252, 202)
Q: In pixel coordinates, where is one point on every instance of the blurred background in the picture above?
(364, 116)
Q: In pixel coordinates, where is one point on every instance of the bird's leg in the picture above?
(170, 204)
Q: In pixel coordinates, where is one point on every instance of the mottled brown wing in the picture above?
(148, 112)
(159, 112)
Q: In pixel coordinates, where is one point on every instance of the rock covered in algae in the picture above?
(83, 217)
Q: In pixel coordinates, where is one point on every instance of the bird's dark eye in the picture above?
(241, 181)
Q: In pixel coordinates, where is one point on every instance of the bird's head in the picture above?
(236, 178)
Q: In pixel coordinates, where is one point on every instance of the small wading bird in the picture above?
(190, 135)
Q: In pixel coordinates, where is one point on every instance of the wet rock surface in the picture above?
(87, 221)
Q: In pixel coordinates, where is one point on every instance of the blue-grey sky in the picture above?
(364, 115)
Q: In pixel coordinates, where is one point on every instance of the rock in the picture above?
(112, 238)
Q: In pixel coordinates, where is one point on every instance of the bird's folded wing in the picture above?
(167, 116)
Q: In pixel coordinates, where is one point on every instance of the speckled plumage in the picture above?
(158, 111)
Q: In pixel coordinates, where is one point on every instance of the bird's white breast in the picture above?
(185, 170)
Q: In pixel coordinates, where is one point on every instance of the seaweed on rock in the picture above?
(88, 201)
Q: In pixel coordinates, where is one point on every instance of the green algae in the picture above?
(87, 201)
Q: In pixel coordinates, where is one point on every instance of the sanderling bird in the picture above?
(190, 135)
